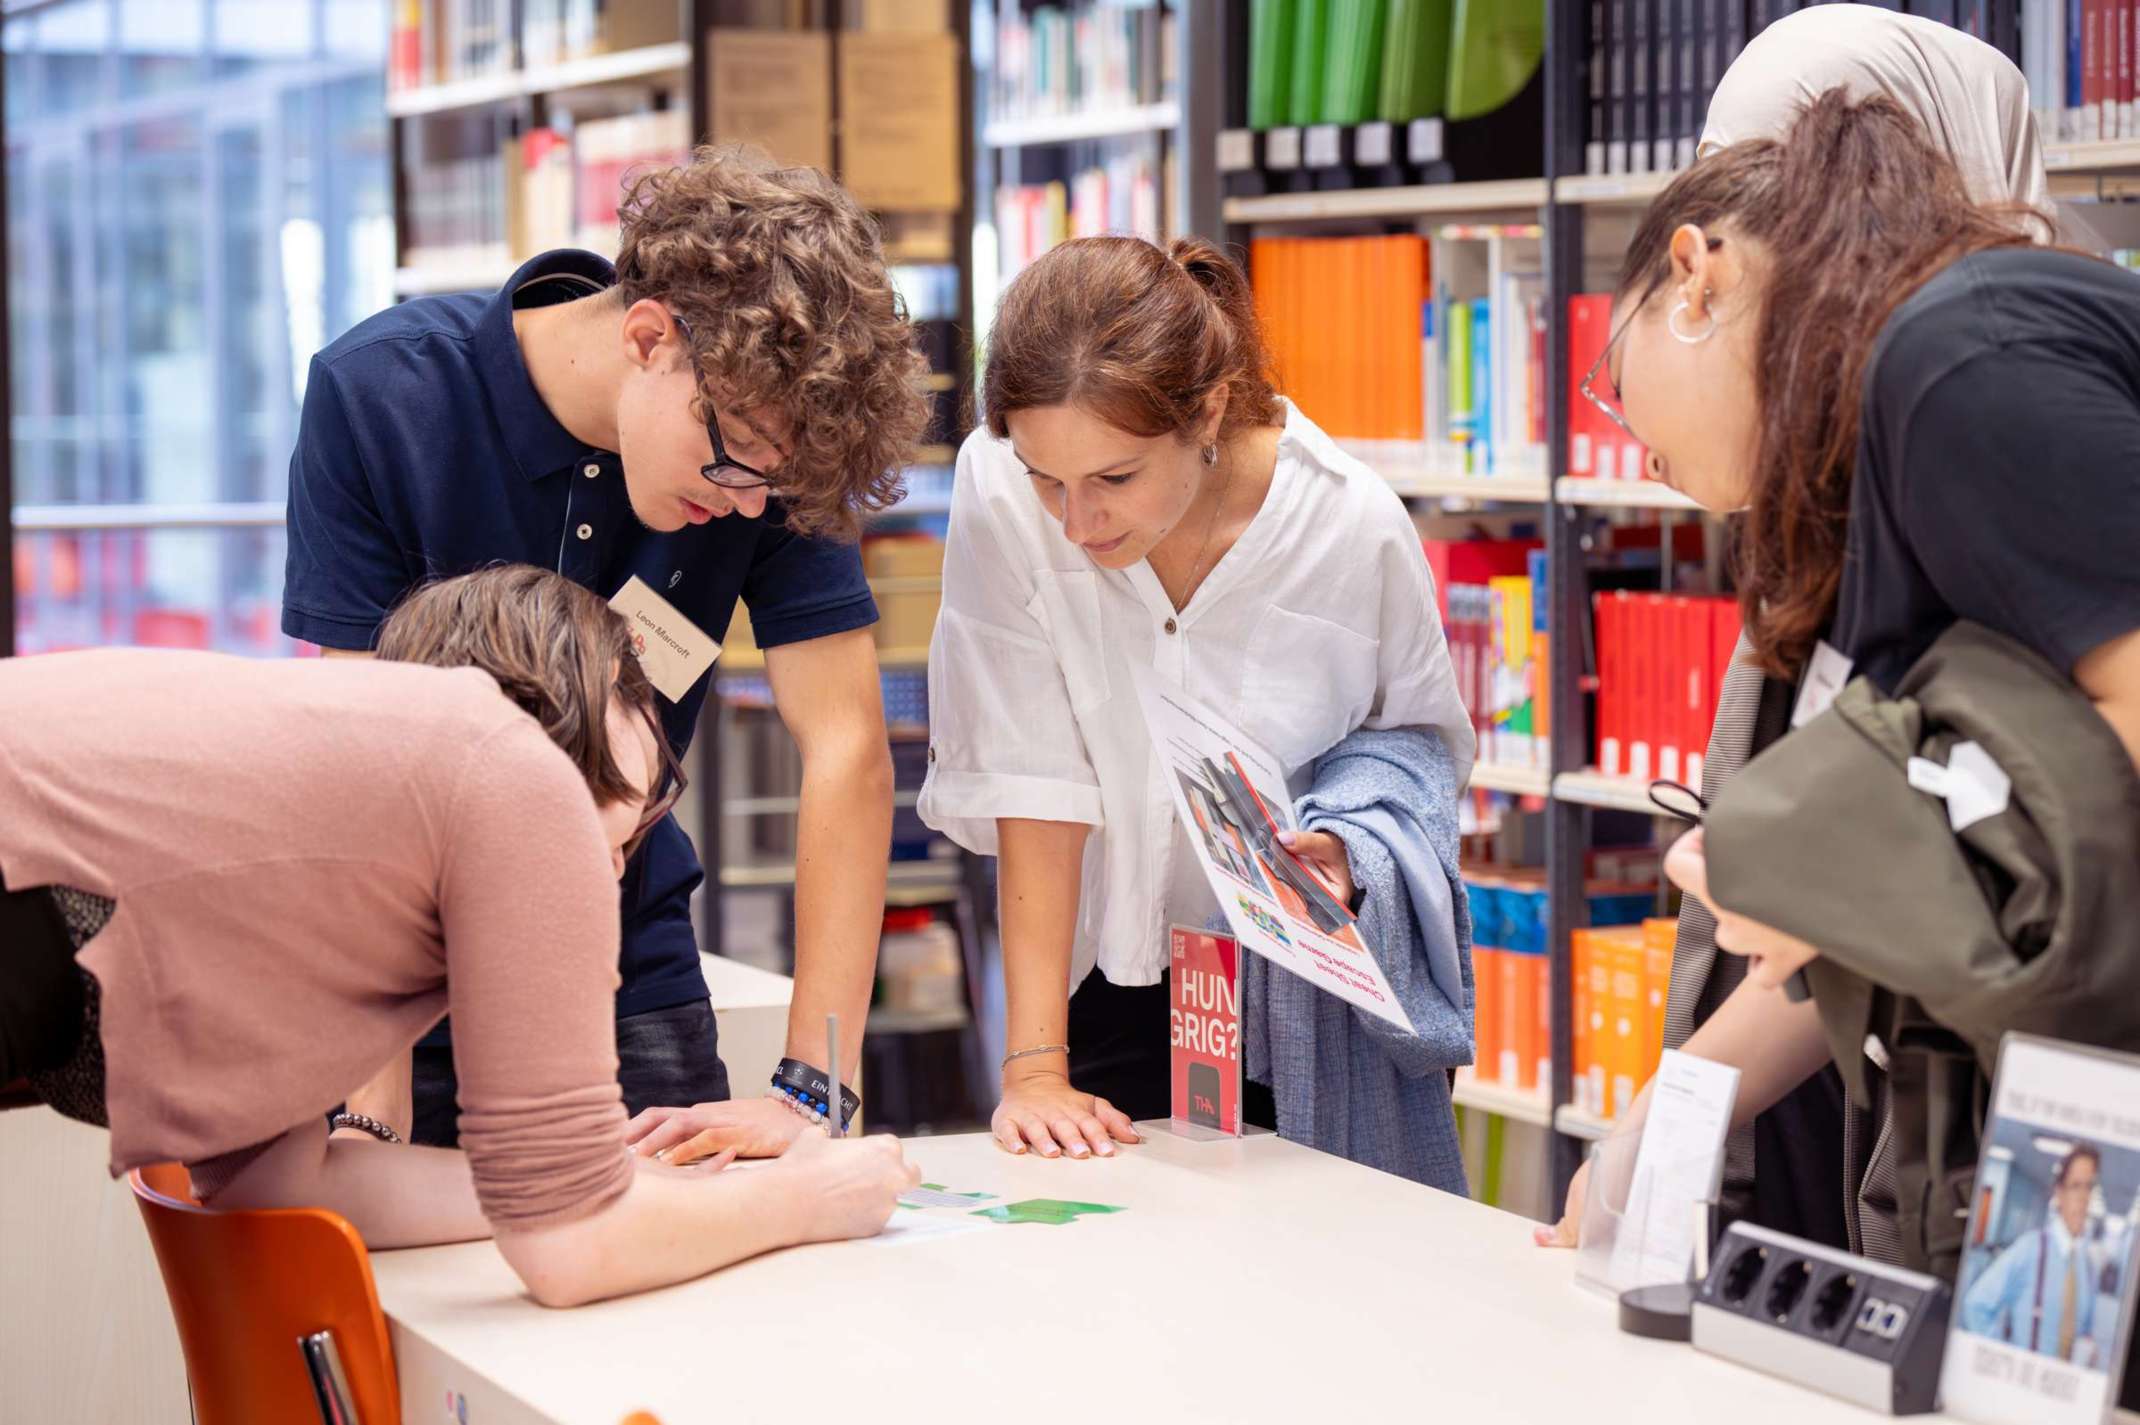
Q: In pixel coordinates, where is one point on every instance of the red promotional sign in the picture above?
(1206, 1030)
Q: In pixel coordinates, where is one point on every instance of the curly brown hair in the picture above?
(781, 278)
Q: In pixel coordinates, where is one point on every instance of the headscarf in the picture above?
(1970, 97)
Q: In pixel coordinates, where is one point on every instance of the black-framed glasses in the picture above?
(724, 469)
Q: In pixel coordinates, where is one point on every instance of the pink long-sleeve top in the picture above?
(312, 862)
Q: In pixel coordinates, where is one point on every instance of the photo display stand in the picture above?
(2043, 1301)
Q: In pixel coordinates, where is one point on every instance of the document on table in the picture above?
(1680, 1164)
(1231, 796)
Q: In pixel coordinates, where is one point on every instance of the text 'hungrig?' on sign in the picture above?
(1204, 1029)
(1231, 796)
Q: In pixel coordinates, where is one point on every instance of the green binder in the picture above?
(1270, 46)
(1311, 28)
(1495, 47)
(1354, 59)
(1415, 61)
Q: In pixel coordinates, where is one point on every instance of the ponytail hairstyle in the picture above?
(1139, 337)
(1850, 213)
(558, 651)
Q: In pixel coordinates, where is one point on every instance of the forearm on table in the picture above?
(843, 840)
(389, 1097)
(1039, 878)
(667, 1227)
(394, 1194)
(1774, 1044)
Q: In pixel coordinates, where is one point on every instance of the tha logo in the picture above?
(638, 644)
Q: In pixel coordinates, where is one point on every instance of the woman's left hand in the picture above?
(752, 1127)
(1326, 856)
(1775, 956)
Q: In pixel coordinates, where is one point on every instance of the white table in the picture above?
(1250, 1280)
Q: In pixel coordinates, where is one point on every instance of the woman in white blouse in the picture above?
(1142, 495)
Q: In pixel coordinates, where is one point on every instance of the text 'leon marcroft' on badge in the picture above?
(674, 651)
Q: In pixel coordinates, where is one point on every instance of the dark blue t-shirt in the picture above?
(423, 451)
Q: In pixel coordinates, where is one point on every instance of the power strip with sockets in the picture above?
(1825, 1319)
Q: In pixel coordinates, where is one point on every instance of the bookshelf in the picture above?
(1516, 781)
(662, 62)
(1093, 118)
(1585, 215)
(1515, 1105)
(1620, 494)
(1446, 200)
(1137, 119)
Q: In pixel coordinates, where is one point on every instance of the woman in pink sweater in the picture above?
(232, 890)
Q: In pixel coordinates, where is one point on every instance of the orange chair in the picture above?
(276, 1311)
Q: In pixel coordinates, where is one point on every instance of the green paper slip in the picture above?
(1052, 1211)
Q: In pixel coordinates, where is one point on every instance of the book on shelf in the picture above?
(1661, 660)
(445, 41)
(2080, 60)
(1119, 193)
(1404, 338)
(1621, 978)
(608, 154)
(1511, 967)
(1080, 58)
(1598, 449)
(1394, 61)
(484, 202)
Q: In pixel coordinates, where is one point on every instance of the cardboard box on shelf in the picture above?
(773, 88)
(899, 146)
(906, 616)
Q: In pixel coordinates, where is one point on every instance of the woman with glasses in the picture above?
(1926, 419)
(696, 428)
(1143, 498)
(1973, 105)
(231, 890)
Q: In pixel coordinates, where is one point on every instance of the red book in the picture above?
(1613, 682)
(1589, 328)
(1474, 561)
(1639, 757)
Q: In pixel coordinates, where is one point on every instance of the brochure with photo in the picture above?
(2043, 1300)
(1231, 796)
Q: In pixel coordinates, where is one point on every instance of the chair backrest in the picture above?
(248, 1288)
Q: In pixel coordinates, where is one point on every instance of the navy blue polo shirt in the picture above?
(423, 451)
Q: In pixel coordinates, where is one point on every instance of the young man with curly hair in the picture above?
(711, 416)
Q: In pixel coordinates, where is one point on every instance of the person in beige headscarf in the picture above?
(1792, 1122)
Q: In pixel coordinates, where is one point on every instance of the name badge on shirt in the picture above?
(674, 651)
(1826, 676)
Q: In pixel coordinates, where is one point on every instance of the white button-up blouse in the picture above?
(1320, 620)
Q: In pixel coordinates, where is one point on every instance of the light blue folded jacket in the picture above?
(1347, 1082)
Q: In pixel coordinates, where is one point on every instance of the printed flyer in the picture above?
(1231, 795)
(1205, 1029)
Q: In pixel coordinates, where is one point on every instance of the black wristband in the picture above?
(812, 1088)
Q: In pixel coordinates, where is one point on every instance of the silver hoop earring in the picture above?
(1672, 325)
(1211, 453)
